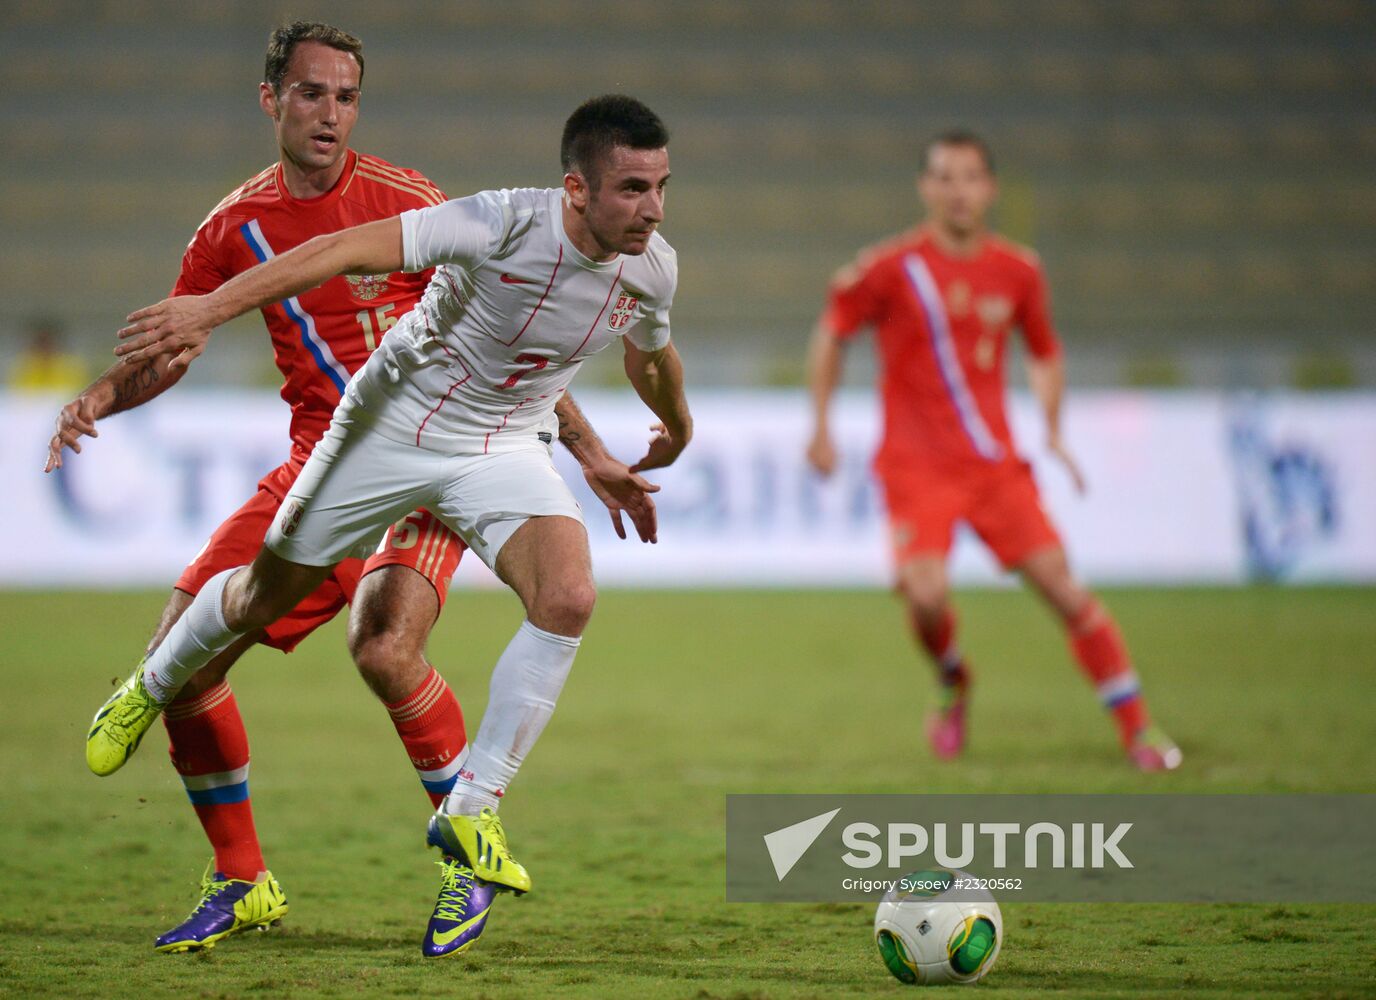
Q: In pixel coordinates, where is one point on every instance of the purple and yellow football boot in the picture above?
(228, 906)
(460, 912)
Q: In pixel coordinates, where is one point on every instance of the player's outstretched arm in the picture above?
(613, 482)
(180, 326)
(658, 380)
(1047, 378)
(122, 387)
(825, 357)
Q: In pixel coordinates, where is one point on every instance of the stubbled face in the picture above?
(957, 189)
(627, 205)
(316, 107)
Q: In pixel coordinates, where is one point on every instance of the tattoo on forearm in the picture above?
(565, 435)
(141, 380)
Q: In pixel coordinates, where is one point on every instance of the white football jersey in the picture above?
(512, 311)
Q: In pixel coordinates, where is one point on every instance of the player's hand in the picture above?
(664, 449)
(178, 326)
(1057, 447)
(821, 453)
(74, 420)
(623, 491)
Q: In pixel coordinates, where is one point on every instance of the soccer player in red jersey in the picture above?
(320, 338)
(942, 299)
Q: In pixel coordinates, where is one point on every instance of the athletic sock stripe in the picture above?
(220, 779)
(1116, 690)
(441, 786)
(421, 708)
(227, 795)
(201, 704)
(420, 697)
(445, 772)
(431, 691)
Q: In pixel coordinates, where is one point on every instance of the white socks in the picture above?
(197, 638)
(525, 685)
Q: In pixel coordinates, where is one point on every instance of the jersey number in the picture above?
(406, 532)
(534, 360)
(375, 323)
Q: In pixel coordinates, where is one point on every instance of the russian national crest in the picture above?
(623, 310)
(367, 286)
(994, 310)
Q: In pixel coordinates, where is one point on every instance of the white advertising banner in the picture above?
(1183, 487)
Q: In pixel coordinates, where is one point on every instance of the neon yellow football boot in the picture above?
(120, 725)
(481, 841)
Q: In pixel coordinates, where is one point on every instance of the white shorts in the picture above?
(358, 483)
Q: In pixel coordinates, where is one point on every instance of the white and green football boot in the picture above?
(120, 725)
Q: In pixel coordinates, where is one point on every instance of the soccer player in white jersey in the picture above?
(454, 412)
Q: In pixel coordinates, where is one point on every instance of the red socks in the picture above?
(430, 724)
(1099, 648)
(939, 640)
(209, 749)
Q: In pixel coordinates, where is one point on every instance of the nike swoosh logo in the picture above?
(444, 938)
(511, 279)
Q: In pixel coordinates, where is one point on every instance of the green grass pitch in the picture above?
(676, 700)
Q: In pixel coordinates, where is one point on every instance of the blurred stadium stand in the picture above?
(1200, 178)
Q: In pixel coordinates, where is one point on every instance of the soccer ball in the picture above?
(932, 929)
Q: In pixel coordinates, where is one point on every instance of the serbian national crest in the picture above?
(621, 313)
(367, 286)
(290, 516)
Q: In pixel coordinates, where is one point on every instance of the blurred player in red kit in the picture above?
(311, 91)
(942, 299)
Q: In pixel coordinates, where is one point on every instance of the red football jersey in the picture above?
(943, 324)
(321, 337)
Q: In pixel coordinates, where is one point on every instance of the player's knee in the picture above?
(566, 607)
(385, 659)
(927, 599)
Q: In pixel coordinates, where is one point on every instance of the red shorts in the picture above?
(418, 540)
(1000, 502)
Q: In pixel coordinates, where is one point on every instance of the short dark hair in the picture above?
(958, 137)
(283, 41)
(602, 123)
